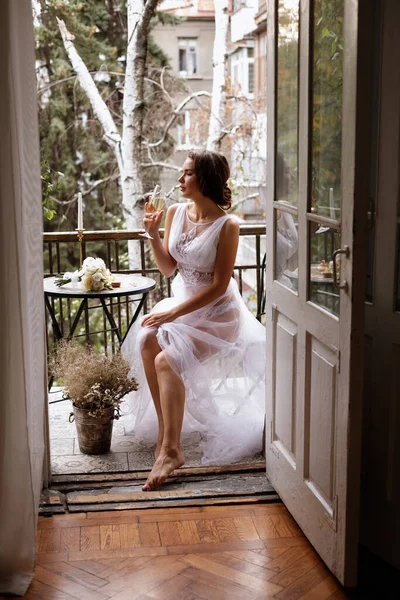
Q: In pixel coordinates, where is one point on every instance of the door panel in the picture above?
(320, 411)
(285, 390)
(314, 316)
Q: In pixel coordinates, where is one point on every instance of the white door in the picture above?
(317, 205)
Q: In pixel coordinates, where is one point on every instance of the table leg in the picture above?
(111, 319)
(135, 316)
(77, 317)
(55, 326)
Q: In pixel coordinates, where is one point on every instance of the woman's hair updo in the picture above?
(212, 173)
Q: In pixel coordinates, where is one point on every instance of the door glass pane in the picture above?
(324, 241)
(327, 96)
(286, 247)
(287, 101)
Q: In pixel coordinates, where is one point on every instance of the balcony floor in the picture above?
(126, 454)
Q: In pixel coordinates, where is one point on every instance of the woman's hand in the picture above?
(152, 219)
(157, 319)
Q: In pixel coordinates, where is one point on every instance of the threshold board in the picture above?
(188, 490)
(100, 477)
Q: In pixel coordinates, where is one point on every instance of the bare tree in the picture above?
(127, 146)
(218, 104)
(133, 153)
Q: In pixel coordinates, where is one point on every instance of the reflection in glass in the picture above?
(324, 241)
(327, 73)
(286, 249)
(287, 100)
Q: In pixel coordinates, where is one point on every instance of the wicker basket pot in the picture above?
(94, 433)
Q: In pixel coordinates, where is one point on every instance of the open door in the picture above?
(317, 203)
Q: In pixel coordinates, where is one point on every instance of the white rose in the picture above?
(99, 262)
(67, 275)
(90, 269)
(88, 261)
(91, 284)
(75, 277)
(97, 277)
(87, 282)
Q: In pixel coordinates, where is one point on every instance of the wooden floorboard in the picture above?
(183, 553)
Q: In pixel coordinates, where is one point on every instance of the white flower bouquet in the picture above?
(93, 277)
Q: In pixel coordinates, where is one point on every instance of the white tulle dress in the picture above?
(218, 351)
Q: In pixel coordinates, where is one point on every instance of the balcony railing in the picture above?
(61, 252)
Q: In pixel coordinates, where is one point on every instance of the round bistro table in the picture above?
(131, 285)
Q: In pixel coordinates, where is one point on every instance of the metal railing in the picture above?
(61, 254)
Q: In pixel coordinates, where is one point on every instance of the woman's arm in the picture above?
(225, 261)
(164, 260)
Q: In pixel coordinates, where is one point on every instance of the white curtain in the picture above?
(22, 346)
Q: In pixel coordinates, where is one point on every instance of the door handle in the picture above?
(346, 251)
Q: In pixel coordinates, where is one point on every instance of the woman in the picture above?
(201, 349)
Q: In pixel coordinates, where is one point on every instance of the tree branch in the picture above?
(218, 103)
(239, 202)
(111, 134)
(161, 164)
(88, 190)
(174, 116)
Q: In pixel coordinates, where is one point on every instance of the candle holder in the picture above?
(80, 238)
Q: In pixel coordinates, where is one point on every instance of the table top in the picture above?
(130, 285)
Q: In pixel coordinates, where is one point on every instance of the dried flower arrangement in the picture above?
(92, 381)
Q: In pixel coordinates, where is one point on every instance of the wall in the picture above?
(167, 36)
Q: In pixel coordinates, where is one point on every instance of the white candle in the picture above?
(80, 211)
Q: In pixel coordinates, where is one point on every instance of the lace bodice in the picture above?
(194, 246)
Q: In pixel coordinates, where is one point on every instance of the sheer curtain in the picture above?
(22, 344)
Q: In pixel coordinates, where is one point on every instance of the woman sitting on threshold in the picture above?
(199, 356)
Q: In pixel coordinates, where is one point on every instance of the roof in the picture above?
(189, 8)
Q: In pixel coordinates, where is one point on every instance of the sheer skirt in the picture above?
(219, 353)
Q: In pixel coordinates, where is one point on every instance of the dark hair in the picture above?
(212, 172)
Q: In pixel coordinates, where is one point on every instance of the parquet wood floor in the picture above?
(195, 553)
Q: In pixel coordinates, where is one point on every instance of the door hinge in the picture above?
(338, 362)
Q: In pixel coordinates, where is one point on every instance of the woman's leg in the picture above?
(149, 350)
(172, 400)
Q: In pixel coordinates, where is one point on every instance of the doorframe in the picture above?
(354, 168)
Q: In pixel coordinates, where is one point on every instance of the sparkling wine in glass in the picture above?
(157, 202)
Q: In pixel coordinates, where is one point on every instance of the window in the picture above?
(242, 71)
(251, 77)
(187, 56)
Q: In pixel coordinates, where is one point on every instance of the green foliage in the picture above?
(71, 138)
(51, 183)
(327, 97)
(287, 97)
(327, 102)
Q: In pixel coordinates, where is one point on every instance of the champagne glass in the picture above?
(157, 202)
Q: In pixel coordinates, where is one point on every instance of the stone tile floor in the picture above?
(126, 453)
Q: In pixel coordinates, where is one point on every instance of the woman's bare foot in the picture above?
(167, 461)
(157, 449)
